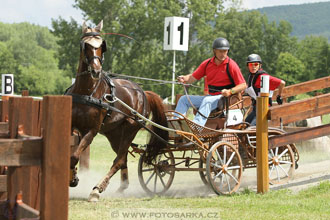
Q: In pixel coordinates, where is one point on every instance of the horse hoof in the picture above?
(74, 182)
(94, 196)
(121, 189)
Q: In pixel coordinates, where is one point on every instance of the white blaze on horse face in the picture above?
(97, 66)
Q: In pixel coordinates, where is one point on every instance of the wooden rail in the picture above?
(51, 154)
(297, 136)
(299, 110)
(304, 87)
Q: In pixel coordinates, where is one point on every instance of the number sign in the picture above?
(235, 117)
(176, 33)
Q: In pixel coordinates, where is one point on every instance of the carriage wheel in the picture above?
(202, 174)
(157, 177)
(281, 164)
(224, 168)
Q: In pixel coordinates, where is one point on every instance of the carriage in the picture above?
(219, 155)
(119, 108)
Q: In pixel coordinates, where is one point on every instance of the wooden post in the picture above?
(26, 178)
(56, 125)
(25, 92)
(262, 137)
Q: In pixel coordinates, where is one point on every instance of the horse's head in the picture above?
(92, 48)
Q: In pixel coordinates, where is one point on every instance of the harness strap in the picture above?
(91, 101)
(88, 34)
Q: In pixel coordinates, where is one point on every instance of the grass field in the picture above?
(187, 198)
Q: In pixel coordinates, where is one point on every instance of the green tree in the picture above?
(7, 61)
(68, 35)
(290, 68)
(32, 49)
(314, 52)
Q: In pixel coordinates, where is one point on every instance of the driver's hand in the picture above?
(181, 79)
(226, 92)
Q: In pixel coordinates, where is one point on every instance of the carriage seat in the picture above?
(217, 117)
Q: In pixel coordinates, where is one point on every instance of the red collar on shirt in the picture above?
(223, 62)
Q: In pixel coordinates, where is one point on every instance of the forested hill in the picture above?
(306, 19)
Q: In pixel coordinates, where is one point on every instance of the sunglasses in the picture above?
(253, 64)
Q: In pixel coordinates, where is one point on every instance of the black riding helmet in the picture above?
(253, 58)
(221, 44)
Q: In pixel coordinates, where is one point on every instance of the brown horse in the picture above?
(92, 113)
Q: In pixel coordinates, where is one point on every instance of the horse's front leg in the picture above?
(84, 143)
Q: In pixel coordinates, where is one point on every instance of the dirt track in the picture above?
(187, 184)
(307, 174)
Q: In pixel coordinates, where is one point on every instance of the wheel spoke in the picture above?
(150, 177)
(278, 175)
(231, 157)
(216, 165)
(283, 170)
(276, 151)
(271, 170)
(162, 181)
(147, 170)
(228, 183)
(224, 154)
(155, 183)
(219, 157)
(233, 177)
(233, 167)
(285, 162)
(286, 150)
(216, 176)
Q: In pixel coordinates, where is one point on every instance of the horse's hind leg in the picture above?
(123, 177)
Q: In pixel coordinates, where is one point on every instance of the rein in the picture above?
(147, 79)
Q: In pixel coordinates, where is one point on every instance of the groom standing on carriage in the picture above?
(223, 78)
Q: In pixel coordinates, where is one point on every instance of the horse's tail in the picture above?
(158, 116)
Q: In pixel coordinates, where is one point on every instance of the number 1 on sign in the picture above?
(180, 28)
(168, 29)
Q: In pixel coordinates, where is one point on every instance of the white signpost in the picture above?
(176, 35)
(7, 84)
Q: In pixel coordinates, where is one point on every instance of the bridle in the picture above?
(88, 60)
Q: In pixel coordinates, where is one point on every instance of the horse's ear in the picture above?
(84, 27)
(99, 27)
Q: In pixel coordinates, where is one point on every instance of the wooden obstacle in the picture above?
(37, 154)
(287, 113)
